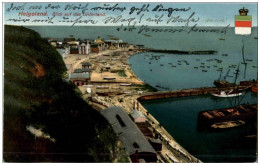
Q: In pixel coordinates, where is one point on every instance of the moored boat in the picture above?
(227, 94)
(125, 84)
(228, 124)
(244, 113)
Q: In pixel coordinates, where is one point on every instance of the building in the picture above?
(123, 45)
(100, 44)
(137, 116)
(78, 71)
(86, 70)
(114, 43)
(73, 48)
(79, 79)
(94, 48)
(84, 48)
(134, 142)
(86, 65)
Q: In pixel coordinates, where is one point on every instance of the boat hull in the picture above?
(226, 95)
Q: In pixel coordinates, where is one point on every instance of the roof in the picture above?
(86, 70)
(77, 71)
(79, 75)
(127, 130)
(135, 114)
(86, 64)
(94, 45)
(98, 40)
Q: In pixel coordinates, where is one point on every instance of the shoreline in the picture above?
(128, 97)
(171, 148)
(169, 141)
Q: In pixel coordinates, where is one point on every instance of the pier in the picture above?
(201, 52)
(180, 52)
(186, 92)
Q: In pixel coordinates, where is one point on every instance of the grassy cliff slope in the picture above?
(35, 94)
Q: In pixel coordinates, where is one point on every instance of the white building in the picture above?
(84, 48)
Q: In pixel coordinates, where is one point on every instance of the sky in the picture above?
(204, 14)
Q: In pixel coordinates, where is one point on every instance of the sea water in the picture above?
(179, 117)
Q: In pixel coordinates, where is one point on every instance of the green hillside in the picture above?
(35, 94)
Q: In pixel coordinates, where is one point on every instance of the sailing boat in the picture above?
(230, 93)
(222, 83)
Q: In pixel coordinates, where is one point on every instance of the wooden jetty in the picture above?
(201, 52)
(186, 92)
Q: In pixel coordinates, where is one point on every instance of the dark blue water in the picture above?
(179, 118)
(179, 115)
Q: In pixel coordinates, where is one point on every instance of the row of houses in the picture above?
(87, 46)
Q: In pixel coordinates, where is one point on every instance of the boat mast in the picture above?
(243, 47)
(243, 55)
(235, 89)
(237, 71)
(220, 75)
(226, 74)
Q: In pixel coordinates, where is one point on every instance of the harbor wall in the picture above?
(184, 93)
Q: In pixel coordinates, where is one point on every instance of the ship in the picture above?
(234, 92)
(222, 83)
(227, 94)
(211, 118)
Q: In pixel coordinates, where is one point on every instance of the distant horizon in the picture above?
(117, 26)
